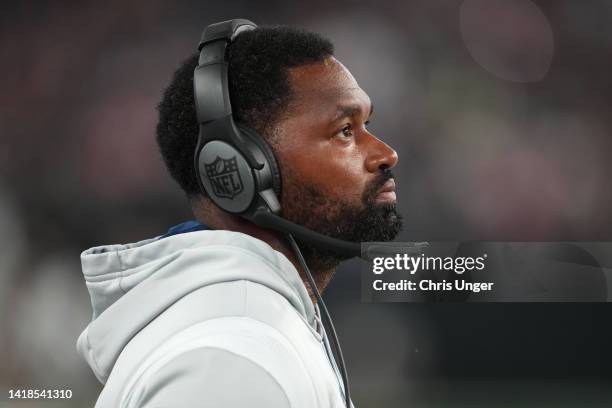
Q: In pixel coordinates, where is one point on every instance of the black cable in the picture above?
(330, 326)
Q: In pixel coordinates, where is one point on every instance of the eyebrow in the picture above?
(347, 111)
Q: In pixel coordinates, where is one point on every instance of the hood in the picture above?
(132, 284)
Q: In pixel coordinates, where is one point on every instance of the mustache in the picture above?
(372, 191)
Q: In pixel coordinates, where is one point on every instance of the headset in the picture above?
(236, 167)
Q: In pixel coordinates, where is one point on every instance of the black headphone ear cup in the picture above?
(226, 176)
(268, 153)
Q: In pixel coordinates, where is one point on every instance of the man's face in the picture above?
(333, 169)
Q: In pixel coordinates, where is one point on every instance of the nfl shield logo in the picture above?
(224, 177)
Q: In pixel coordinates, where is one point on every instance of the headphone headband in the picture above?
(210, 77)
(226, 30)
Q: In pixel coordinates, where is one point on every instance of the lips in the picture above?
(387, 192)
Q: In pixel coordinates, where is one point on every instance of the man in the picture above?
(218, 312)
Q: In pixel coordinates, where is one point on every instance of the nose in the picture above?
(381, 156)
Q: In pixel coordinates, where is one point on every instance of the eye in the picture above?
(347, 131)
(366, 123)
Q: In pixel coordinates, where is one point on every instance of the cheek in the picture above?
(336, 174)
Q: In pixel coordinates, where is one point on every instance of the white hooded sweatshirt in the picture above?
(204, 319)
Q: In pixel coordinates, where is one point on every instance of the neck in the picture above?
(208, 213)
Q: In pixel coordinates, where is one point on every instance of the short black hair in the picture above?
(259, 91)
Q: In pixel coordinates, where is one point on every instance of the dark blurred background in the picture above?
(499, 110)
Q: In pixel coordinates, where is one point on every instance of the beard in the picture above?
(365, 221)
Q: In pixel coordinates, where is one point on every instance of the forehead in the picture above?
(325, 85)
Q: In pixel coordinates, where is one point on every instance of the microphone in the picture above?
(269, 220)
